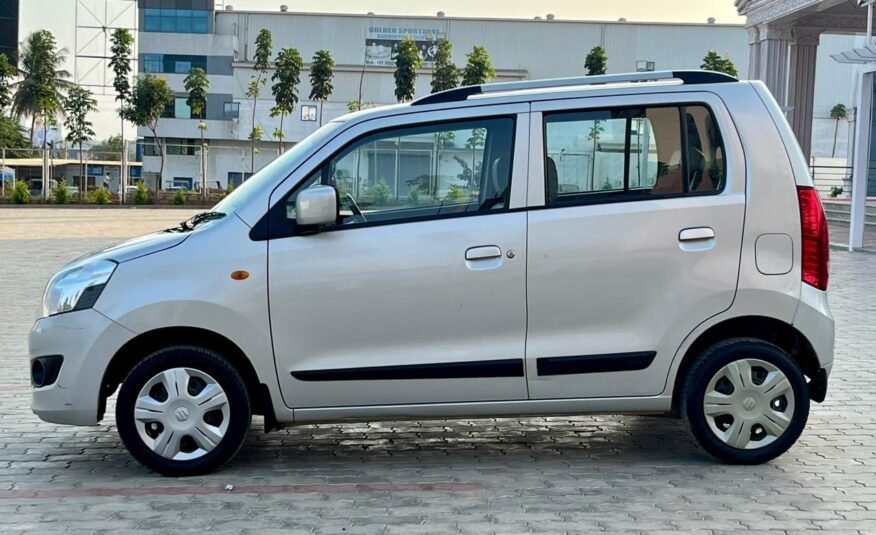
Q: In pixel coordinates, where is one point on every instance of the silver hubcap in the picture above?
(182, 414)
(749, 403)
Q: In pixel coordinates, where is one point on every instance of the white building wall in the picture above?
(520, 49)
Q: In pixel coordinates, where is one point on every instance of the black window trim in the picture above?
(611, 197)
(274, 224)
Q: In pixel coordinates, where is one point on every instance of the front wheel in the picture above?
(183, 411)
(745, 401)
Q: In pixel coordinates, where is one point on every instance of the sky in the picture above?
(59, 17)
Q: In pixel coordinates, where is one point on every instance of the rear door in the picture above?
(638, 242)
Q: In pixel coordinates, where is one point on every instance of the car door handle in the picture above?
(484, 252)
(696, 234)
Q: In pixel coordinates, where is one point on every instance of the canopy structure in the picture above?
(784, 36)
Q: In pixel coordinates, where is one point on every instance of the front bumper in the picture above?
(87, 340)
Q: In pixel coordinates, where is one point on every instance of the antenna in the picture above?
(95, 22)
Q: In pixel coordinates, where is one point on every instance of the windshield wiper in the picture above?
(197, 219)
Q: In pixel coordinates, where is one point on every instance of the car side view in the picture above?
(645, 243)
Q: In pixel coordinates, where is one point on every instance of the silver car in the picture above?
(647, 243)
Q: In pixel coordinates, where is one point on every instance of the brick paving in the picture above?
(590, 474)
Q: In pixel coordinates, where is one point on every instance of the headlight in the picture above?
(77, 287)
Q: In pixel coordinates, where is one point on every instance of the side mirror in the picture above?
(316, 206)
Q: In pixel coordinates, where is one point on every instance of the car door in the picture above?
(417, 294)
(639, 241)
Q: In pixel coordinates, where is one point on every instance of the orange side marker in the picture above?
(240, 275)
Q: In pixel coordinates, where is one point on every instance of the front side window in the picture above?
(632, 153)
(420, 172)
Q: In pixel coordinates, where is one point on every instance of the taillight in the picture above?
(816, 248)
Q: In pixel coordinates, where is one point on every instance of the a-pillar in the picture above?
(773, 62)
(801, 84)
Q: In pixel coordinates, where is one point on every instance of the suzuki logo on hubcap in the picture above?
(181, 413)
(749, 403)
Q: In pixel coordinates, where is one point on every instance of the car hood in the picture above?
(136, 247)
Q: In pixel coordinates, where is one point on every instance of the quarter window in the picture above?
(632, 153)
(420, 172)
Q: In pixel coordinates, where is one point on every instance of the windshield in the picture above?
(279, 168)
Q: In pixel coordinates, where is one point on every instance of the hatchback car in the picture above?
(647, 243)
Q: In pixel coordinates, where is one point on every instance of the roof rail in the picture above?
(690, 77)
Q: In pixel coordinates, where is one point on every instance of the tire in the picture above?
(188, 433)
(759, 425)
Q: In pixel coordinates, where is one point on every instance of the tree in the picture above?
(836, 113)
(445, 75)
(407, 61)
(149, 97)
(12, 136)
(257, 81)
(7, 72)
(478, 68)
(39, 91)
(322, 71)
(109, 149)
(78, 104)
(286, 78)
(714, 62)
(596, 61)
(121, 52)
(197, 84)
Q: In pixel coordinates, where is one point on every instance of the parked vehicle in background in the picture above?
(647, 243)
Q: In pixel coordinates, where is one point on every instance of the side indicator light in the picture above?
(240, 275)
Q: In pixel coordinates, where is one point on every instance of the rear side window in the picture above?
(632, 154)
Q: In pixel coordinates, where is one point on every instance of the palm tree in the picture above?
(38, 93)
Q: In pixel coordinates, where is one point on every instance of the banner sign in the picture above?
(381, 43)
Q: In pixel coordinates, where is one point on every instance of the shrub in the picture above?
(380, 193)
(141, 196)
(180, 197)
(836, 191)
(100, 195)
(61, 194)
(20, 193)
(229, 188)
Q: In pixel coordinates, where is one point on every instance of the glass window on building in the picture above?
(152, 20)
(176, 20)
(153, 63)
(181, 109)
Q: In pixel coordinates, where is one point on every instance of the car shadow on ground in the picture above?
(627, 440)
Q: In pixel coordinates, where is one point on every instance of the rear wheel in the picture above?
(745, 401)
(183, 411)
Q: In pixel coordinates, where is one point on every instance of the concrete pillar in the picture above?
(861, 162)
(801, 84)
(773, 63)
(753, 53)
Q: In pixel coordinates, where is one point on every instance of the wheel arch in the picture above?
(772, 330)
(148, 342)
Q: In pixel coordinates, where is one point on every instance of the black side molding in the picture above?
(436, 370)
(616, 362)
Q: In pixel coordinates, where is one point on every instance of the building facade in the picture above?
(190, 33)
(787, 50)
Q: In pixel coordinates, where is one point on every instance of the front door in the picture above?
(639, 241)
(417, 294)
